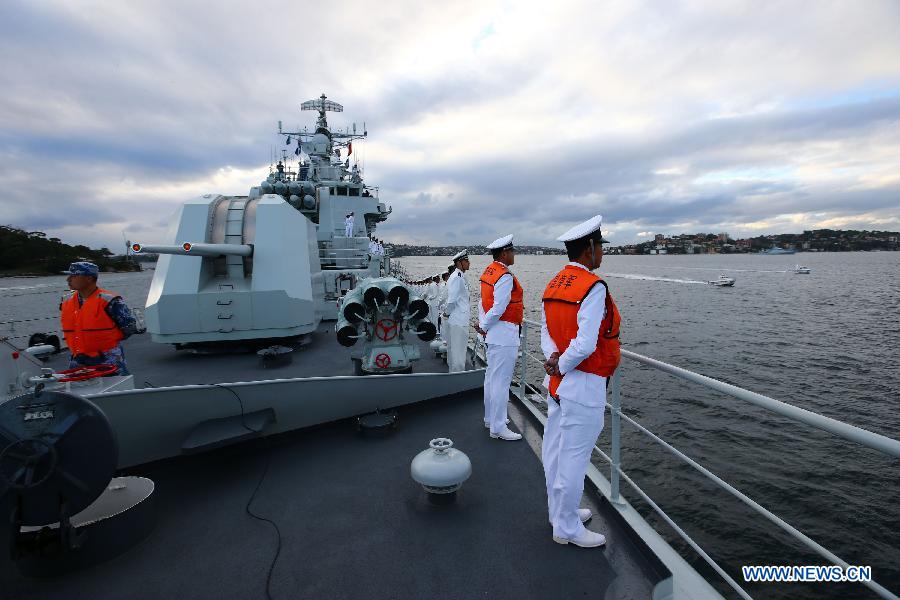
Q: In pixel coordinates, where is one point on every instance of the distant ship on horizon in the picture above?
(777, 250)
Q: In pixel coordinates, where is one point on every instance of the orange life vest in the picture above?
(562, 299)
(515, 310)
(87, 328)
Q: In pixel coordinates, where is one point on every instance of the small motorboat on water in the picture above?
(801, 270)
(722, 281)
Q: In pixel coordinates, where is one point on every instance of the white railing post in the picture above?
(523, 359)
(615, 436)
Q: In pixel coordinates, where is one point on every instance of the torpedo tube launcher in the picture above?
(384, 312)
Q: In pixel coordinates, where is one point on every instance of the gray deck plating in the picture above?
(355, 525)
(159, 365)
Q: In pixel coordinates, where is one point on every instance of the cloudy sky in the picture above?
(484, 117)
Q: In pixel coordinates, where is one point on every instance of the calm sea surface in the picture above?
(828, 342)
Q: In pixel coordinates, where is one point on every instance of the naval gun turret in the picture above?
(239, 269)
(384, 312)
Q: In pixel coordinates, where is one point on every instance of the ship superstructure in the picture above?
(272, 264)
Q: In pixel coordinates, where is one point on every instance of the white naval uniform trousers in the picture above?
(442, 306)
(574, 424)
(458, 322)
(431, 297)
(502, 341)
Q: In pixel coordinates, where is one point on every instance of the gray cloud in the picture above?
(623, 175)
(111, 116)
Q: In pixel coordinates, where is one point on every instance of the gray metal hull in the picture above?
(153, 424)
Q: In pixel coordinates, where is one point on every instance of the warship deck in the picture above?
(354, 525)
(160, 365)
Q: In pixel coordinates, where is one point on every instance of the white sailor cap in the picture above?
(504, 242)
(583, 230)
(461, 255)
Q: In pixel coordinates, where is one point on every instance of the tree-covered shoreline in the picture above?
(24, 253)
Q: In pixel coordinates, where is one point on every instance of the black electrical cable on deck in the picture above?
(256, 489)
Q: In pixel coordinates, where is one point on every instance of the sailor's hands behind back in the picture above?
(551, 366)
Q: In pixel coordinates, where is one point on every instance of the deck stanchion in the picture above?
(615, 431)
(523, 364)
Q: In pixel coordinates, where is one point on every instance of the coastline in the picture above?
(33, 275)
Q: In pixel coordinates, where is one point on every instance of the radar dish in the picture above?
(322, 105)
(54, 447)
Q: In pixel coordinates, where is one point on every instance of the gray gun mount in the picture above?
(235, 270)
(383, 311)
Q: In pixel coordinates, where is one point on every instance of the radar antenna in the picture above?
(322, 104)
(336, 139)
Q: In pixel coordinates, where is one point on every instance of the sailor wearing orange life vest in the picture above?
(580, 339)
(500, 315)
(94, 320)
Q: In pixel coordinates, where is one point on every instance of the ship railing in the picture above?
(326, 252)
(357, 250)
(352, 257)
(617, 473)
(26, 325)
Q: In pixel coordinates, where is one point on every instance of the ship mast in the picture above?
(322, 104)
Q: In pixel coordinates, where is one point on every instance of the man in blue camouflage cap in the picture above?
(94, 320)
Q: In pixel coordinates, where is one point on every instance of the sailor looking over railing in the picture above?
(500, 315)
(582, 350)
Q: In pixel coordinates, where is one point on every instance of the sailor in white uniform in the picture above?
(500, 314)
(348, 225)
(442, 304)
(457, 313)
(573, 310)
(431, 297)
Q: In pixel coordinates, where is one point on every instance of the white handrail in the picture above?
(846, 431)
(859, 435)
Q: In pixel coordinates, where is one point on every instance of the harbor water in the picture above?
(827, 342)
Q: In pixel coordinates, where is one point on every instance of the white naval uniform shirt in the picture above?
(458, 299)
(442, 295)
(430, 294)
(584, 388)
(499, 333)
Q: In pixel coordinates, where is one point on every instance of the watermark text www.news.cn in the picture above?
(806, 573)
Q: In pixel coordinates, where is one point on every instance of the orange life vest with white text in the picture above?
(515, 310)
(88, 329)
(562, 299)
